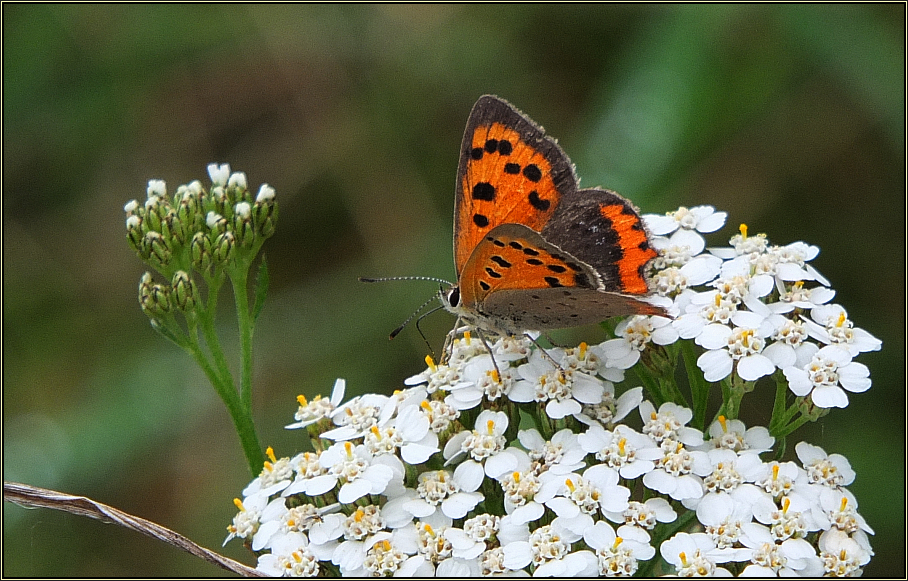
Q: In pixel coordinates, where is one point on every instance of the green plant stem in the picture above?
(239, 279)
(222, 380)
(242, 419)
(206, 318)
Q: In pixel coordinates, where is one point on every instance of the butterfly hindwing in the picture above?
(604, 230)
(509, 172)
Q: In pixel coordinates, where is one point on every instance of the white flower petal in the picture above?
(716, 365)
(352, 491)
(460, 503)
(753, 367)
(828, 396)
(469, 475)
(517, 555)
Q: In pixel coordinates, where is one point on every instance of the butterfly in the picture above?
(532, 251)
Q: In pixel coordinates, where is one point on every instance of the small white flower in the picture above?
(790, 558)
(266, 194)
(644, 515)
(618, 555)
(470, 541)
(157, 189)
(290, 557)
(311, 412)
(730, 480)
(560, 455)
(739, 348)
(275, 476)
(669, 422)
(484, 447)
(441, 492)
(576, 499)
(237, 180)
(831, 470)
(243, 210)
(696, 555)
(630, 453)
(789, 347)
(797, 296)
(547, 549)
(777, 478)
(355, 467)
(564, 391)
(610, 411)
(219, 174)
(842, 555)
(840, 508)
(634, 334)
(827, 376)
(247, 520)
(678, 472)
(357, 417)
(685, 223)
(732, 435)
(520, 488)
(830, 325)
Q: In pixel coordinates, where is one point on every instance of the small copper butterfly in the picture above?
(531, 250)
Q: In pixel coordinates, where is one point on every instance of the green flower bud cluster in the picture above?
(197, 231)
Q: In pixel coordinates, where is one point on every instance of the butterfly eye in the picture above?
(454, 296)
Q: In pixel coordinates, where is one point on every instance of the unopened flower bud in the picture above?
(154, 245)
(154, 298)
(200, 252)
(153, 212)
(222, 250)
(134, 232)
(265, 211)
(242, 224)
(184, 291)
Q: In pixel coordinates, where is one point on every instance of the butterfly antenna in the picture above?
(410, 318)
(389, 278)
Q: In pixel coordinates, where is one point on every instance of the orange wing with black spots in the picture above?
(514, 257)
(531, 251)
(510, 172)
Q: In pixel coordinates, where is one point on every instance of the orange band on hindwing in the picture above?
(636, 251)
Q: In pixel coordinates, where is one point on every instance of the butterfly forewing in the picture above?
(510, 172)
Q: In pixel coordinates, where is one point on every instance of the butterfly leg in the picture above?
(491, 354)
(545, 354)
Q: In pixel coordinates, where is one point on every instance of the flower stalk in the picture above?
(212, 235)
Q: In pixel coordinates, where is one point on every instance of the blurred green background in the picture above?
(790, 118)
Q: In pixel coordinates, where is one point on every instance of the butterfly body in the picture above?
(532, 251)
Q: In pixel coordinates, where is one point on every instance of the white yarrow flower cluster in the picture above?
(503, 459)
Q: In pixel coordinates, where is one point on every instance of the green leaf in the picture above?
(261, 289)
(699, 387)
